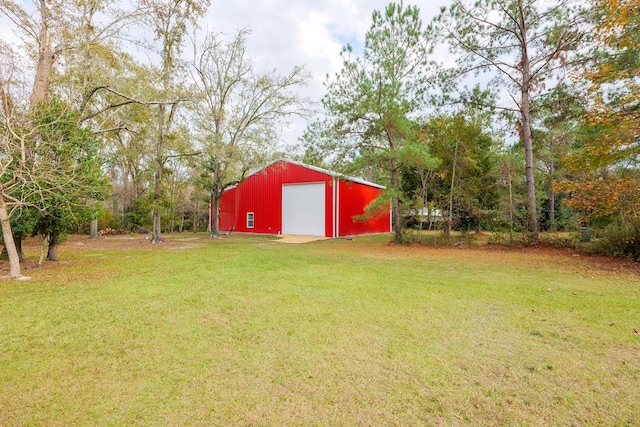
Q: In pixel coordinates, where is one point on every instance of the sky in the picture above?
(286, 33)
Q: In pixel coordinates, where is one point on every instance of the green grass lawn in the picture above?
(248, 331)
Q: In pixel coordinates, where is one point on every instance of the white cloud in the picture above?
(285, 34)
(305, 32)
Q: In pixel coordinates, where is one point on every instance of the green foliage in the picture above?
(371, 100)
(520, 239)
(138, 215)
(617, 240)
(561, 241)
(23, 221)
(521, 45)
(70, 183)
(468, 156)
(557, 119)
(375, 92)
(106, 219)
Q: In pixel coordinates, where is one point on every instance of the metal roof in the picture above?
(321, 170)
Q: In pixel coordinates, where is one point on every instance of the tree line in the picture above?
(125, 114)
(529, 123)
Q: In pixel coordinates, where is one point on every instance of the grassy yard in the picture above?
(248, 331)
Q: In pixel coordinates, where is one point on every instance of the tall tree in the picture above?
(370, 102)
(14, 149)
(47, 162)
(170, 21)
(75, 54)
(67, 31)
(238, 112)
(524, 43)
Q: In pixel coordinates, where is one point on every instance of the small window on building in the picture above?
(249, 219)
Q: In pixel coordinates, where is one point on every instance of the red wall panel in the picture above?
(353, 198)
(228, 210)
(261, 193)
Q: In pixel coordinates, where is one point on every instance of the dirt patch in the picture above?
(298, 239)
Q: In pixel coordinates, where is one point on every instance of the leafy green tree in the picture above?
(48, 163)
(510, 183)
(370, 102)
(463, 181)
(68, 179)
(523, 44)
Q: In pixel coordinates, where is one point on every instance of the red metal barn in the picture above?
(288, 197)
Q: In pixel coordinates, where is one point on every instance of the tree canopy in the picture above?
(372, 102)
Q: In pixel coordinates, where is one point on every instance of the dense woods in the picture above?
(111, 117)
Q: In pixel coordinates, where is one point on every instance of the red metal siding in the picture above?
(261, 193)
(228, 210)
(353, 198)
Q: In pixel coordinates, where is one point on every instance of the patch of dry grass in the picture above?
(245, 331)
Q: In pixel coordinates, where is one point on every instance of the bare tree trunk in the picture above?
(423, 194)
(215, 211)
(525, 118)
(552, 211)
(54, 241)
(397, 214)
(44, 249)
(9, 244)
(196, 214)
(156, 234)
(93, 228)
(510, 210)
(18, 242)
(447, 232)
(209, 216)
(552, 203)
(46, 58)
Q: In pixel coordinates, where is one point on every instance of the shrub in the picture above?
(618, 240)
(560, 241)
(521, 239)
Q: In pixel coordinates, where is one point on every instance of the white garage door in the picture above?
(303, 209)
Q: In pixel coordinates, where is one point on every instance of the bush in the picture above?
(619, 241)
(107, 220)
(519, 240)
(560, 241)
